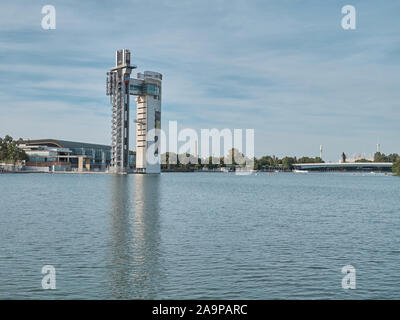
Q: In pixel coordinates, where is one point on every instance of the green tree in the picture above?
(396, 168)
(10, 152)
(380, 157)
(310, 160)
(213, 162)
(363, 160)
(265, 162)
(287, 163)
(393, 157)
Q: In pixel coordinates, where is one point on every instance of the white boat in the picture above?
(300, 171)
(244, 171)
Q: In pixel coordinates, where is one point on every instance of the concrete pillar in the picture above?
(80, 163)
(87, 163)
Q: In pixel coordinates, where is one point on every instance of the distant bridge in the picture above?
(344, 165)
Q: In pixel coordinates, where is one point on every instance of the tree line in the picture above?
(266, 163)
(286, 163)
(381, 157)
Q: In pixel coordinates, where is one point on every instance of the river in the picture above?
(200, 235)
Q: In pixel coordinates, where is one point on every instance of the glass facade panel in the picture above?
(152, 89)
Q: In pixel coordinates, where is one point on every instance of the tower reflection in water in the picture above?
(134, 268)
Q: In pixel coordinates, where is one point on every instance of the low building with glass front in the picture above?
(61, 155)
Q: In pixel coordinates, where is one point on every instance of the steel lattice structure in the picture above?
(118, 90)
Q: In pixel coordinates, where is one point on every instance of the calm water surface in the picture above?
(199, 235)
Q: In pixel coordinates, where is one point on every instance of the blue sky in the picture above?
(285, 68)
